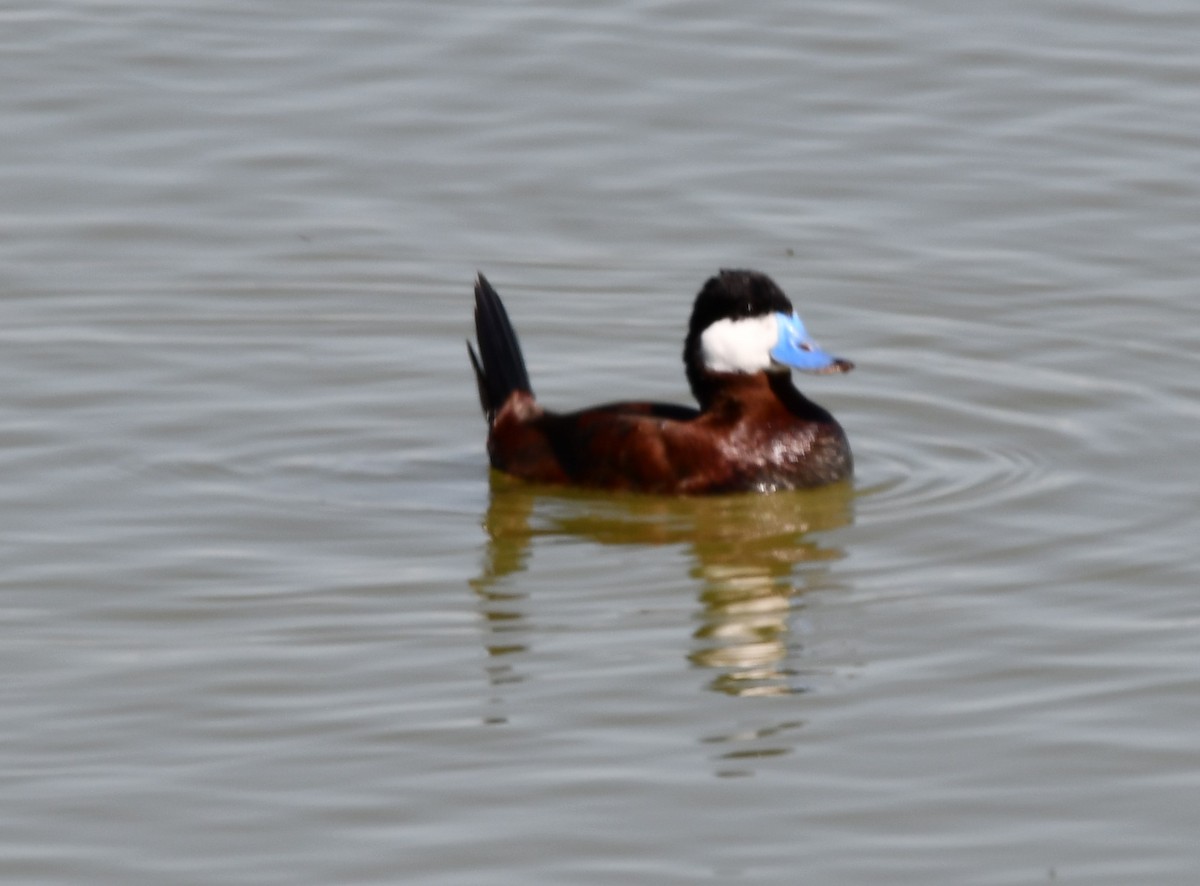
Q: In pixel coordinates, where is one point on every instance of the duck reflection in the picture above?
(746, 551)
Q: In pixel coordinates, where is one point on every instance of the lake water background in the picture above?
(266, 619)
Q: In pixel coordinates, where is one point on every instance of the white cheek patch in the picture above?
(739, 345)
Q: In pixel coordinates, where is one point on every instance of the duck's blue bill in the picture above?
(794, 348)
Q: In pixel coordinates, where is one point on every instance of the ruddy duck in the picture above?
(754, 431)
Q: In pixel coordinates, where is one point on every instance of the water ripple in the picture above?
(951, 476)
(995, 435)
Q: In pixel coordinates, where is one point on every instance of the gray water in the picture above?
(266, 618)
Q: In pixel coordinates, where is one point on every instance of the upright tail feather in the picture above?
(502, 368)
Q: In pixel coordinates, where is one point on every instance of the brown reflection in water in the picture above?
(746, 550)
(509, 533)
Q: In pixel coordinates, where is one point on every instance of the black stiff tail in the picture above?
(502, 369)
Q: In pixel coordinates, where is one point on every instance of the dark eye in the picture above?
(805, 346)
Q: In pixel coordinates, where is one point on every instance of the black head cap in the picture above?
(734, 295)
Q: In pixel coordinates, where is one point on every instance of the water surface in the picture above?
(266, 617)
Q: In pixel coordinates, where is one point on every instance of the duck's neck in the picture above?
(723, 391)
